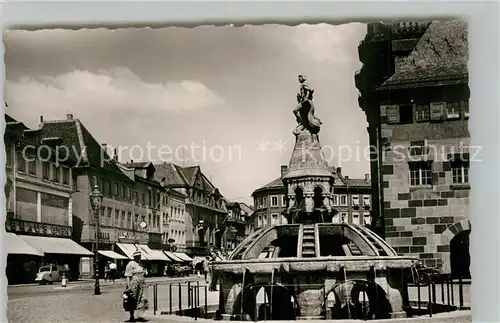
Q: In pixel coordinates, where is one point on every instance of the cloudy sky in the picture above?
(222, 89)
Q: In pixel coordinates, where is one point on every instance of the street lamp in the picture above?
(96, 202)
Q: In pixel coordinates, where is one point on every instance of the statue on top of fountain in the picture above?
(304, 111)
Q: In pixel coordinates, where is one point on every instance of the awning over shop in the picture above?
(17, 246)
(172, 256)
(52, 245)
(183, 256)
(127, 248)
(152, 254)
(111, 254)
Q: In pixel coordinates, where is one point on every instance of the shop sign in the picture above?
(37, 228)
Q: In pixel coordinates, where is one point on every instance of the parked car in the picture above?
(51, 273)
(424, 275)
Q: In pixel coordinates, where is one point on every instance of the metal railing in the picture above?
(155, 296)
(358, 299)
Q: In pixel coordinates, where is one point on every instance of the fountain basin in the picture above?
(313, 271)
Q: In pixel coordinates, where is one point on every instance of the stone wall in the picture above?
(422, 220)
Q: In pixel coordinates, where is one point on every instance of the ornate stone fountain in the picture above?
(316, 266)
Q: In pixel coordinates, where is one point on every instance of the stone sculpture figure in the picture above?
(304, 111)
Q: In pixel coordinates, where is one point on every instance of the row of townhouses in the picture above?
(50, 172)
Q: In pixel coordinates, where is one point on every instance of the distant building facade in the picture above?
(236, 225)
(351, 200)
(204, 211)
(418, 118)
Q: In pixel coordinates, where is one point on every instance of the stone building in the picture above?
(420, 115)
(39, 205)
(204, 206)
(236, 225)
(351, 200)
(130, 197)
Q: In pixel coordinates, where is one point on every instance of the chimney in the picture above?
(339, 170)
(367, 178)
(284, 169)
(41, 119)
(115, 157)
(69, 116)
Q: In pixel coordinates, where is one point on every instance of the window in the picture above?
(392, 112)
(123, 223)
(335, 200)
(108, 219)
(45, 170)
(465, 108)
(259, 221)
(283, 200)
(9, 155)
(274, 219)
(136, 197)
(406, 113)
(355, 200)
(420, 174)
(423, 112)
(453, 110)
(437, 110)
(149, 220)
(367, 218)
(65, 171)
(136, 219)
(143, 199)
(150, 198)
(75, 183)
(274, 201)
(460, 171)
(355, 217)
(116, 188)
(343, 200)
(264, 201)
(32, 165)
(21, 162)
(366, 200)
(117, 219)
(110, 188)
(57, 173)
(129, 220)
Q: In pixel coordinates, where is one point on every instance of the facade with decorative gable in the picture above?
(421, 111)
(204, 210)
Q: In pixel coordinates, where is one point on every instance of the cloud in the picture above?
(327, 43)
(113, 89)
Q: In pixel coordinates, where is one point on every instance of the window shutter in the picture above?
(392, 114)
(437, 110)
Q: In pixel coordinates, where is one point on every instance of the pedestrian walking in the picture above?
(112, 271)
(106, 271)
(136, 288)
(206, 268)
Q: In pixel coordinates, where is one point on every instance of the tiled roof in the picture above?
(81, 144)
(190, 173)
(358, 182)
(172, 174)
(137, 165)
(247, 209)
(441, 55)
(276, 184)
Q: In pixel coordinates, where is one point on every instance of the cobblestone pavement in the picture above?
(76, 305)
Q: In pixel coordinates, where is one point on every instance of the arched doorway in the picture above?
(460, 255)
